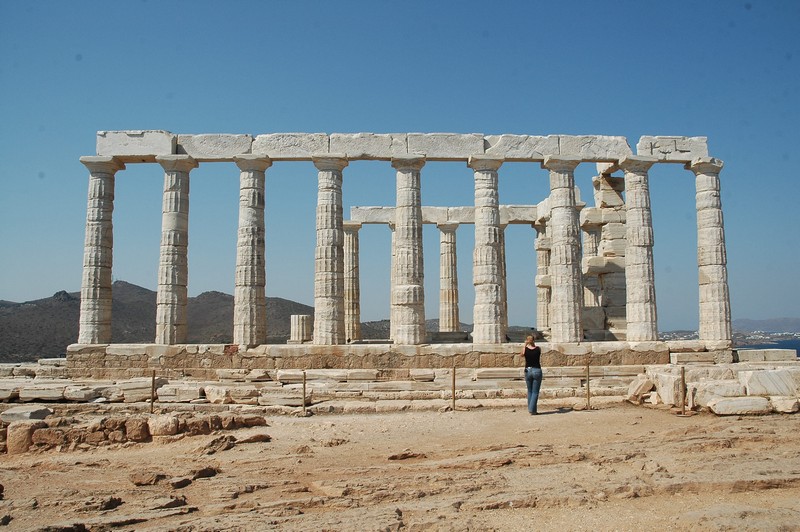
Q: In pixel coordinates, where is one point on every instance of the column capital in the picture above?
(330, 162)
(447, 227)
(703, 165)
(351, 227)
(409, 162)
(636, 163)
(252, 162)
(558, 163)
(176, 163)
(484, 163)
(96, 163)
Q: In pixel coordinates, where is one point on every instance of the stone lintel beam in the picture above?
(214, 147)
(136, 146)
(509, 214)
(673, 149)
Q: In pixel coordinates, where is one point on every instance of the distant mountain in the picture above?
(776, 325)
(45, 327)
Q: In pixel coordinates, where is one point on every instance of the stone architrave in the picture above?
(95, 314)
(250, 303)
(712, 262)
(448, 279)
(566, 290)
(487, 269)
(329, 254)
(173, 270)
(352, 287)
(640, 284)
(408, 294)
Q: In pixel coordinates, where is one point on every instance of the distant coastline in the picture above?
(777, 344)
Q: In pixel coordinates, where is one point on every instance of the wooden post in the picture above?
(454, 389)
(683, 390)
(152, 391)
(304, 393)
(588, 393)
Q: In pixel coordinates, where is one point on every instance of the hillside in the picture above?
(775, 325)
(45, 327)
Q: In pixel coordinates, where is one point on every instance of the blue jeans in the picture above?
(533, 378)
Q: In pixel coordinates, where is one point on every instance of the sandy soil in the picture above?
(618, 467)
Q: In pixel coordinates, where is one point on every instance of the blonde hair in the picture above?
(529, 339)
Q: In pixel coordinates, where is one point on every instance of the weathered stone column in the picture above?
(300, 328)
(542, 245)
(173, 267)
(640, 284)
(329, 253)
(352, 283)
(503, 279)
(712, 261)
(487, 267)
(448, 279)
(566, 296)
(408, 294)
(392, 317)
(98, 251)
(250, 300)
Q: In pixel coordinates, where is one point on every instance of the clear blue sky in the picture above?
(728, 70)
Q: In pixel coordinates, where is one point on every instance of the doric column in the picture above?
(250, 300)
(448, 279)
(542, 246)
(329, 253)
(712, 262)
(503, 279)
(98, 251)
(352, 284)
(392, 317)
(640, 284)
(408, 294)
(486, 259)
(566, 296)
(173, 266)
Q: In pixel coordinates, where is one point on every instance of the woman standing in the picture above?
(533, 373)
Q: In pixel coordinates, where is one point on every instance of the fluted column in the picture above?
(448, 279)
(712, 262)
(640, 284)
(486, 259)
(392, 317)
(352, 283)
(542, 246)
(503, 279)
(250, 300)
(98, 251)
(408, 293)
(173, 266)
(566, 299)
(329, 253)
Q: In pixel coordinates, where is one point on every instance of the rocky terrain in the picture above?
(617, 467)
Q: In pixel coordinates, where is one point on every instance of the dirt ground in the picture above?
(617, 467)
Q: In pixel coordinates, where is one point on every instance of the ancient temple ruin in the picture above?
(594, 276)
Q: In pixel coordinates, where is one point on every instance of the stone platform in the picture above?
(201, 361)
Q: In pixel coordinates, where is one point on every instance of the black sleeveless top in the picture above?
(533, 357)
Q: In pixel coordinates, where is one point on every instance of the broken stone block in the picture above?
(639, 387)
(165, 425)
(81, 394)
(180, 392)
(19, 435)
(25, 413)
(702, 392)
(42, 392)
(139, 390)
(738, 406)
(669, 388)
(218, 394)
(768, 382)
(137, 429)
(785, 405)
